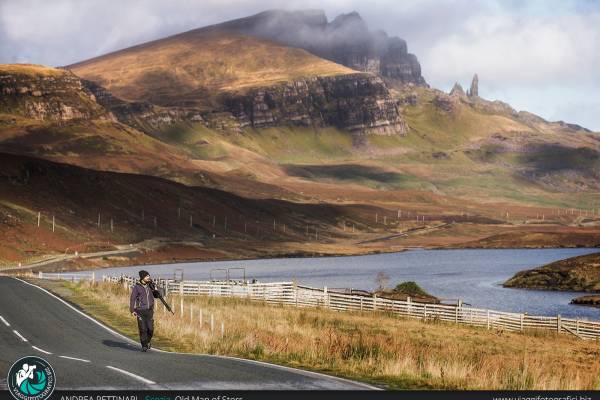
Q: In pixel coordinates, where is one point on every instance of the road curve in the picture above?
(86, 354)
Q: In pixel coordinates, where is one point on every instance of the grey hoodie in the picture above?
(142, 297)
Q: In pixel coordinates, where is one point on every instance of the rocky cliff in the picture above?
(359, 103)
(40, 93)
(356, 102)
(346, 40)
(141, 115)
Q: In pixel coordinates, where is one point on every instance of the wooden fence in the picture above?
(70, 276)
(303, 296)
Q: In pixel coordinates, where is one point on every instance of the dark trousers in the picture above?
(145, 325)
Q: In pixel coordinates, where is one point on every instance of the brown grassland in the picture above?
(378, 348)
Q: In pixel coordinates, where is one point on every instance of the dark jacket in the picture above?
(142, 297)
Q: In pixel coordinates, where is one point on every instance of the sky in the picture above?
(540, 56)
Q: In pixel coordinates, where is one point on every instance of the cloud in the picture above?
(532, 53)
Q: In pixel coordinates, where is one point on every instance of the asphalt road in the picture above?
(88, 355)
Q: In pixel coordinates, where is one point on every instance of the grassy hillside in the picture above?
(192, 68)
(466, 153)
(133, 208)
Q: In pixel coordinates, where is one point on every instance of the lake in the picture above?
(473, 275)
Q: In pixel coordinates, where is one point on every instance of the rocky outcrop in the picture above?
(346, 40)
(356, 102)
(591, 300)
(58, 96)
(474, 91)
(457, 90)
(141, 115)
(581, 273)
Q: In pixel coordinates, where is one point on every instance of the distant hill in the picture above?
(345, 40)
(258, 82)
(245, 116)
(191, 68)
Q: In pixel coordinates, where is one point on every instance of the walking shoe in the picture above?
(149, 345)
(144, 348)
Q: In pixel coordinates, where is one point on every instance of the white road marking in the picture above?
(81, 313)
(3, 320)
(148, 381)
(266, 364)
(43, 351)
(75, 358)
(19, 335)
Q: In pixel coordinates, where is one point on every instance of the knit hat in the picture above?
(144, 274)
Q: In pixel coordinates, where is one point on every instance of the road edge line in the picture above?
(131, 341)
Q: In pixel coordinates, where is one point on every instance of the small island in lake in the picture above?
(406, 290)
(578, 274)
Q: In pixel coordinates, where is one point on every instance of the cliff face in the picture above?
(346, 40)
(141, 115)
(56, 96)
(356, 102)
(359, 102)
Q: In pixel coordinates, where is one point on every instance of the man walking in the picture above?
(141, 306)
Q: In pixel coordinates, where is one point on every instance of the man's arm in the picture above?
(132, 299)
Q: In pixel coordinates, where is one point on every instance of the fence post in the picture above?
(558, 323)
(522, 318)
(40, 274)
(458, 305)
(296, 293)
(374, 302)
(408, 305)
(577, 326)
(325, 297)
(93, 277)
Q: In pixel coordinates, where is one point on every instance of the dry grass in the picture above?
(373, 347)
(30, 69)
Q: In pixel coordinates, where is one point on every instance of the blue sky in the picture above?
(539, 56)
